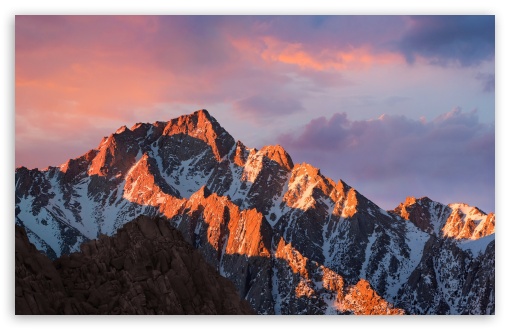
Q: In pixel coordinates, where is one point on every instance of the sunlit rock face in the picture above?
(458, 220)
(290, 239)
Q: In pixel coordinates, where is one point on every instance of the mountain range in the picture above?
(291, 240)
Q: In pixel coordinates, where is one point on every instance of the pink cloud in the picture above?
(323, 59)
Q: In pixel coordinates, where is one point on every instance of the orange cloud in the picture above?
(325, 59)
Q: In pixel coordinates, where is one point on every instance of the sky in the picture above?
(395, 106)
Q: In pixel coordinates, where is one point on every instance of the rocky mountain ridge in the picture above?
(458, 220)
(292, 240)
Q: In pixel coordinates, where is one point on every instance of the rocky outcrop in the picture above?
(38, 285)
(450, 280)
(315, 289)
(466, 222)
(145, 268)
(203, 127)
(426, 214)
(458, 221)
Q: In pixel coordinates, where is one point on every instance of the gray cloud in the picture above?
(262, 107)
(487, 80)
(467, 40)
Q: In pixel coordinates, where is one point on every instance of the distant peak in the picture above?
(188, 123)
(411, 204)
(240, 155)
(308, 169)
(425, 199)
(121, 129)
(279, 155)
(410, 200)
(465, 208)
(342, 186)
(203, 113)
(458, 205)
(138, 125)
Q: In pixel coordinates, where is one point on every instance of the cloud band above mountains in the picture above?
(451, 155)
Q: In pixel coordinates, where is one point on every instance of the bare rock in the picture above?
(147, 268)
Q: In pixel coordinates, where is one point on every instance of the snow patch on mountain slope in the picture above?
(332, 244)
(113, 211)
(437, 219)
(253, 166)
(46, 228)
(442, 267)
(185, 179)
(331, 305)
(465, 209)
(278, 207)
(86, 209)
(478, 246)
(415, 240)
(238, 188)
(368, 252)
(277, 298)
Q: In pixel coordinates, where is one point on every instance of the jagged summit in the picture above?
(117, 152)
(410, 200)
(203, 126)
(410, 204)
(455, 220)
(279, 155)
(197, 121)
(468, 222)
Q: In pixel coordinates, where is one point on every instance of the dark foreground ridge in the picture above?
(146, 268)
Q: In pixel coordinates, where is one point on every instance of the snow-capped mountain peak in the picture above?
(291, 240)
